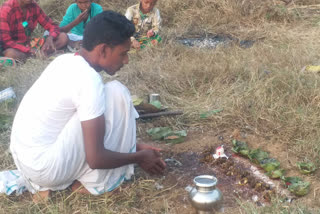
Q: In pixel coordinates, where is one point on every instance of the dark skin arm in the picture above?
(82, 17)
(48, 46)
(100, 158)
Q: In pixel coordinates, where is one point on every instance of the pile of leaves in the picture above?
(272, 167)
(167, 134)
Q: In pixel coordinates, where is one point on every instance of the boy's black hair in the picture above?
(108, 27)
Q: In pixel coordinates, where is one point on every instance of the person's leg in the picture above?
(64, 164)
(42, 196)
(79, 188)
(15, 54)
(120, 136)
(61, 41)
(75, 42)
(60, 165)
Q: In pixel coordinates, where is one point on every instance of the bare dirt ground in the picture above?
(189, 154)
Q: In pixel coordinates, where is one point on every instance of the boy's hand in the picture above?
(33, 52)
(82, 17)
(48, 46)
(151, 162)
(135, 44)
(150, 33)
(154, 165)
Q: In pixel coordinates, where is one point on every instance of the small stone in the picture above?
(255, 198)
(158, 186)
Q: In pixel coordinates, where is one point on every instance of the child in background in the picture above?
(77, 16)
(146, 19)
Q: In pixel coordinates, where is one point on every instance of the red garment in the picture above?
(12, 33)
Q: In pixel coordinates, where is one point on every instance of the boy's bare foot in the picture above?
(42, 196)
(78, 187)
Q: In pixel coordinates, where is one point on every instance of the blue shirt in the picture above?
(73, 12)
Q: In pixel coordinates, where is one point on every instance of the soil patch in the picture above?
(234, 179)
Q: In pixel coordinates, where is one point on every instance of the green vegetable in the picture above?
(306, 167)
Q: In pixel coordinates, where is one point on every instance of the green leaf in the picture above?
(157, 104)
(257, 155)
(278, 173)
(240, 147)
(306, 167)
(209, 113)
(176, 137)
(159, 133)
(269, 164)
(137, 101)
(299, 188)
(290, 180)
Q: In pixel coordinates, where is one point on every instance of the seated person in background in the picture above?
(77, 16)
(18, 19)
(146, 19)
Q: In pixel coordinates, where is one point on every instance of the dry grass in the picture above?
(261, 89)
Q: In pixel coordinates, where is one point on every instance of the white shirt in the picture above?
(68, 85)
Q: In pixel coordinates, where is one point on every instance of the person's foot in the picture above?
(41, 197)
(79, 188)
(7, 62)
(74, 46)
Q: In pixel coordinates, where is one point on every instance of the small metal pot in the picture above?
(205, 197)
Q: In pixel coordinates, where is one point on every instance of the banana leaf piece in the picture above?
(159, 133)
(240, 147)
(269, 164)
(290, 180)
(176, 137)
(306, 167)
(157, 104)
(278, 173)
(257, 155)
(299, 188)
(136, 100)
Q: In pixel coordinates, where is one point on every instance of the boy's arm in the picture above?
(156, 22)
(5, 36)
(68, 23)
(100, 158)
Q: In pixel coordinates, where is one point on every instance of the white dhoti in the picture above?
(65, 160)
(74, 37)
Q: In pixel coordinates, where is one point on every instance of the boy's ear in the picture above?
(104, 50)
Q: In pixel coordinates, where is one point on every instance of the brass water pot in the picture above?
(205, 197)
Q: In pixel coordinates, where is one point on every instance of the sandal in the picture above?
(7, 62)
